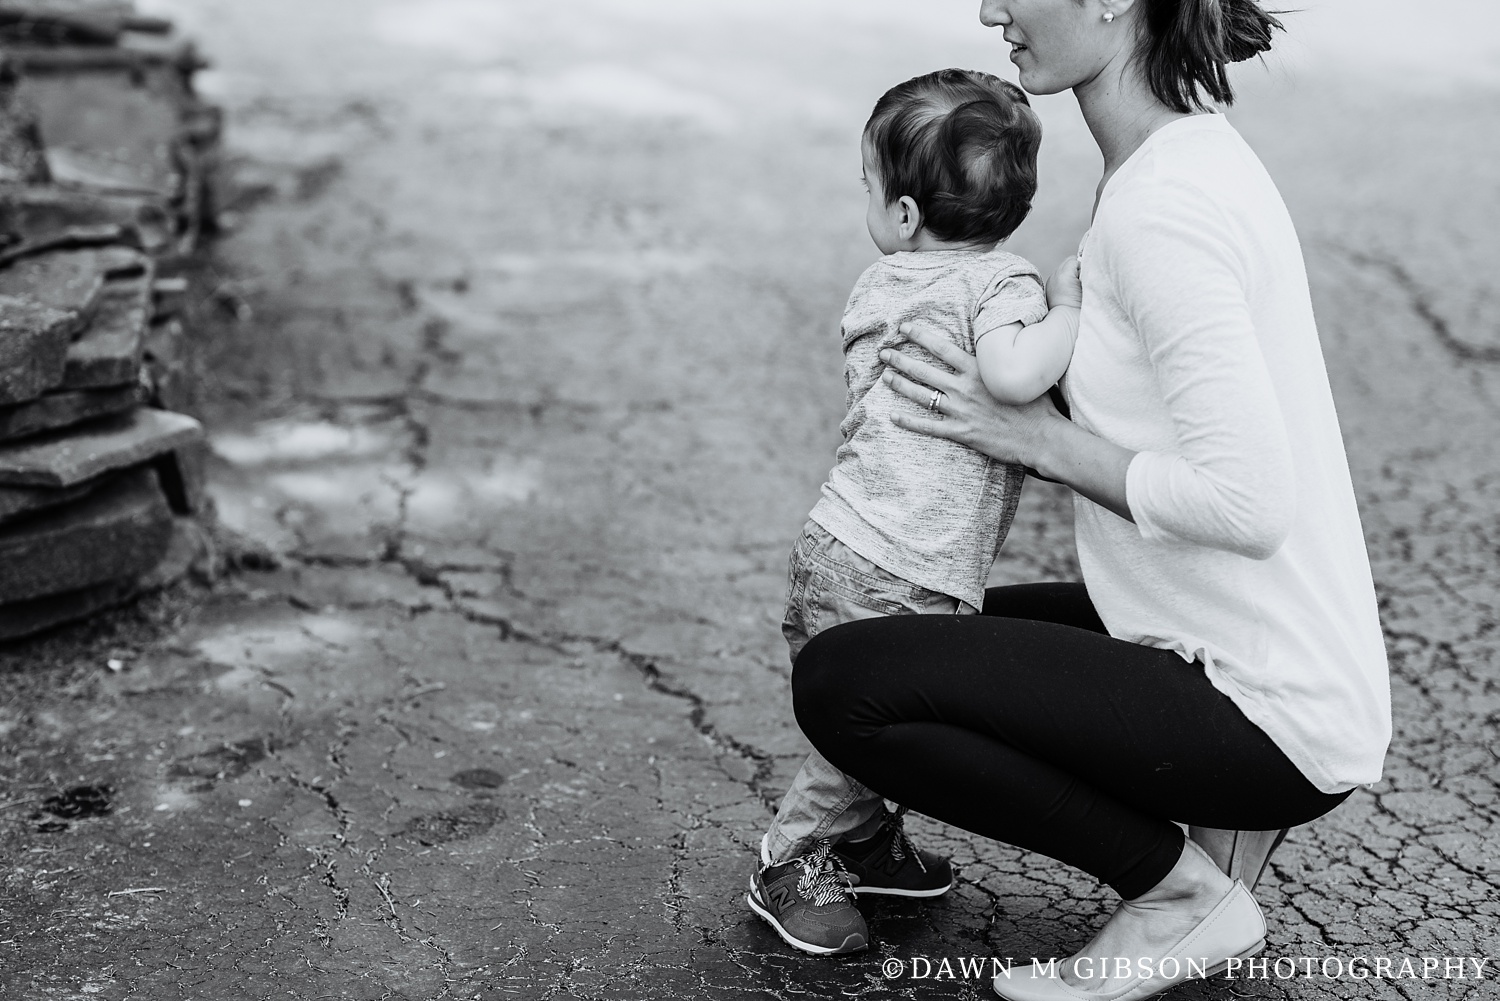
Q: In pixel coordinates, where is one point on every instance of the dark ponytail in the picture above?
(1247, 30)
(1189, 43)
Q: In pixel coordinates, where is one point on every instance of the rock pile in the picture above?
(106, 166)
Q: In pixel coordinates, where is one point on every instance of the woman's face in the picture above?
(1056, 44)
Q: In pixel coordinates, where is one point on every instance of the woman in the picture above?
(1222, 664)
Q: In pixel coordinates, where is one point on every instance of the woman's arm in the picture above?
(1180, 263)
(1033, 434)
(1229, 482)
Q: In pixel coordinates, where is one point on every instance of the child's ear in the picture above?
(908, 217)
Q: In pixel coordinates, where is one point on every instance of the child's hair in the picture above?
(962, 145)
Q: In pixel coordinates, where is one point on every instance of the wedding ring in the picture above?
(937, 399)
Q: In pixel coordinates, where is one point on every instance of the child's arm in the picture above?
(1020, 362)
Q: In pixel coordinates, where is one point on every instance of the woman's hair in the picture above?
(1188, 43)
(962, 145)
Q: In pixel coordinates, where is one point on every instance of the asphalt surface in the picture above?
(527, 370)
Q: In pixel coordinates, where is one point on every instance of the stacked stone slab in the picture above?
(106, 163)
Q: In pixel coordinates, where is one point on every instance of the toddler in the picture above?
(907, 523)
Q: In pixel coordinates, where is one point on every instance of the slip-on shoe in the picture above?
(1241, 855)
(1234, 929)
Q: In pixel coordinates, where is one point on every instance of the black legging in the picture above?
(1030, 725)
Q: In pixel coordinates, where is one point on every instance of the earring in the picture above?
(1109, 16)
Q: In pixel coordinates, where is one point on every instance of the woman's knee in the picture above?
(820, 692)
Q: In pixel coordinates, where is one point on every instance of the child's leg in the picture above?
(822, 802)
(829, 584)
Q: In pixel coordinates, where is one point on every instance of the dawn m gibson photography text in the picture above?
(1257, 968)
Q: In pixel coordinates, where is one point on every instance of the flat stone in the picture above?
(17, 501)
(21, 157)
(189, 550)
(41, 215)
(81, 453)
(34, 343)
(68, 238)
(27, 618)
(106, 127)
(71, 280)
(110, 535)
(134, 53)
(110, 351)
(56, 410)
(23, 22)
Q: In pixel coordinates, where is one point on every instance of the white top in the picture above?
(1197, 349)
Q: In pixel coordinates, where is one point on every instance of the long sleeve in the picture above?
(1230, 483)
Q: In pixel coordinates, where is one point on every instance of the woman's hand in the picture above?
(966, 412)
(1034, 434)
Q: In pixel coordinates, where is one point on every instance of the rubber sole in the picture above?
(888, 891)
(797, 943)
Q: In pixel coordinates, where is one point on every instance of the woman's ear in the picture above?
(908, 217)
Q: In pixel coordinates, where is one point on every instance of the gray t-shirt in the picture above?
(931, 511)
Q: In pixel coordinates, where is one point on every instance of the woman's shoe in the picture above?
(1241, 855)
(1234, 929)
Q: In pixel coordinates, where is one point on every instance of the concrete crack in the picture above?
(1421, 304)
(658, 682)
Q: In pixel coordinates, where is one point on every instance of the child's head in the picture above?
(953, 155)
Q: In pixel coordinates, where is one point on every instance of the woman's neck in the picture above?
(1122, 113)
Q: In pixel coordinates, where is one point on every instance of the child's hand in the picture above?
(1064, 287)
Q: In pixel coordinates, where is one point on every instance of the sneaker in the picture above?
(808, 901)
(888, 863)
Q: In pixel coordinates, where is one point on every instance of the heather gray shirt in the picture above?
(928, 510)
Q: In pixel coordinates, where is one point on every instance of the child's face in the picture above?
(884, 221)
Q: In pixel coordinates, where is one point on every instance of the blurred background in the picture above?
(716, 146)
(522, 372)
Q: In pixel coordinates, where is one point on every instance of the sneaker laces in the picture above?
(824, 879)
(901, 845)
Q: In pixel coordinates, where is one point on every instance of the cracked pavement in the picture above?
(526, 369)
